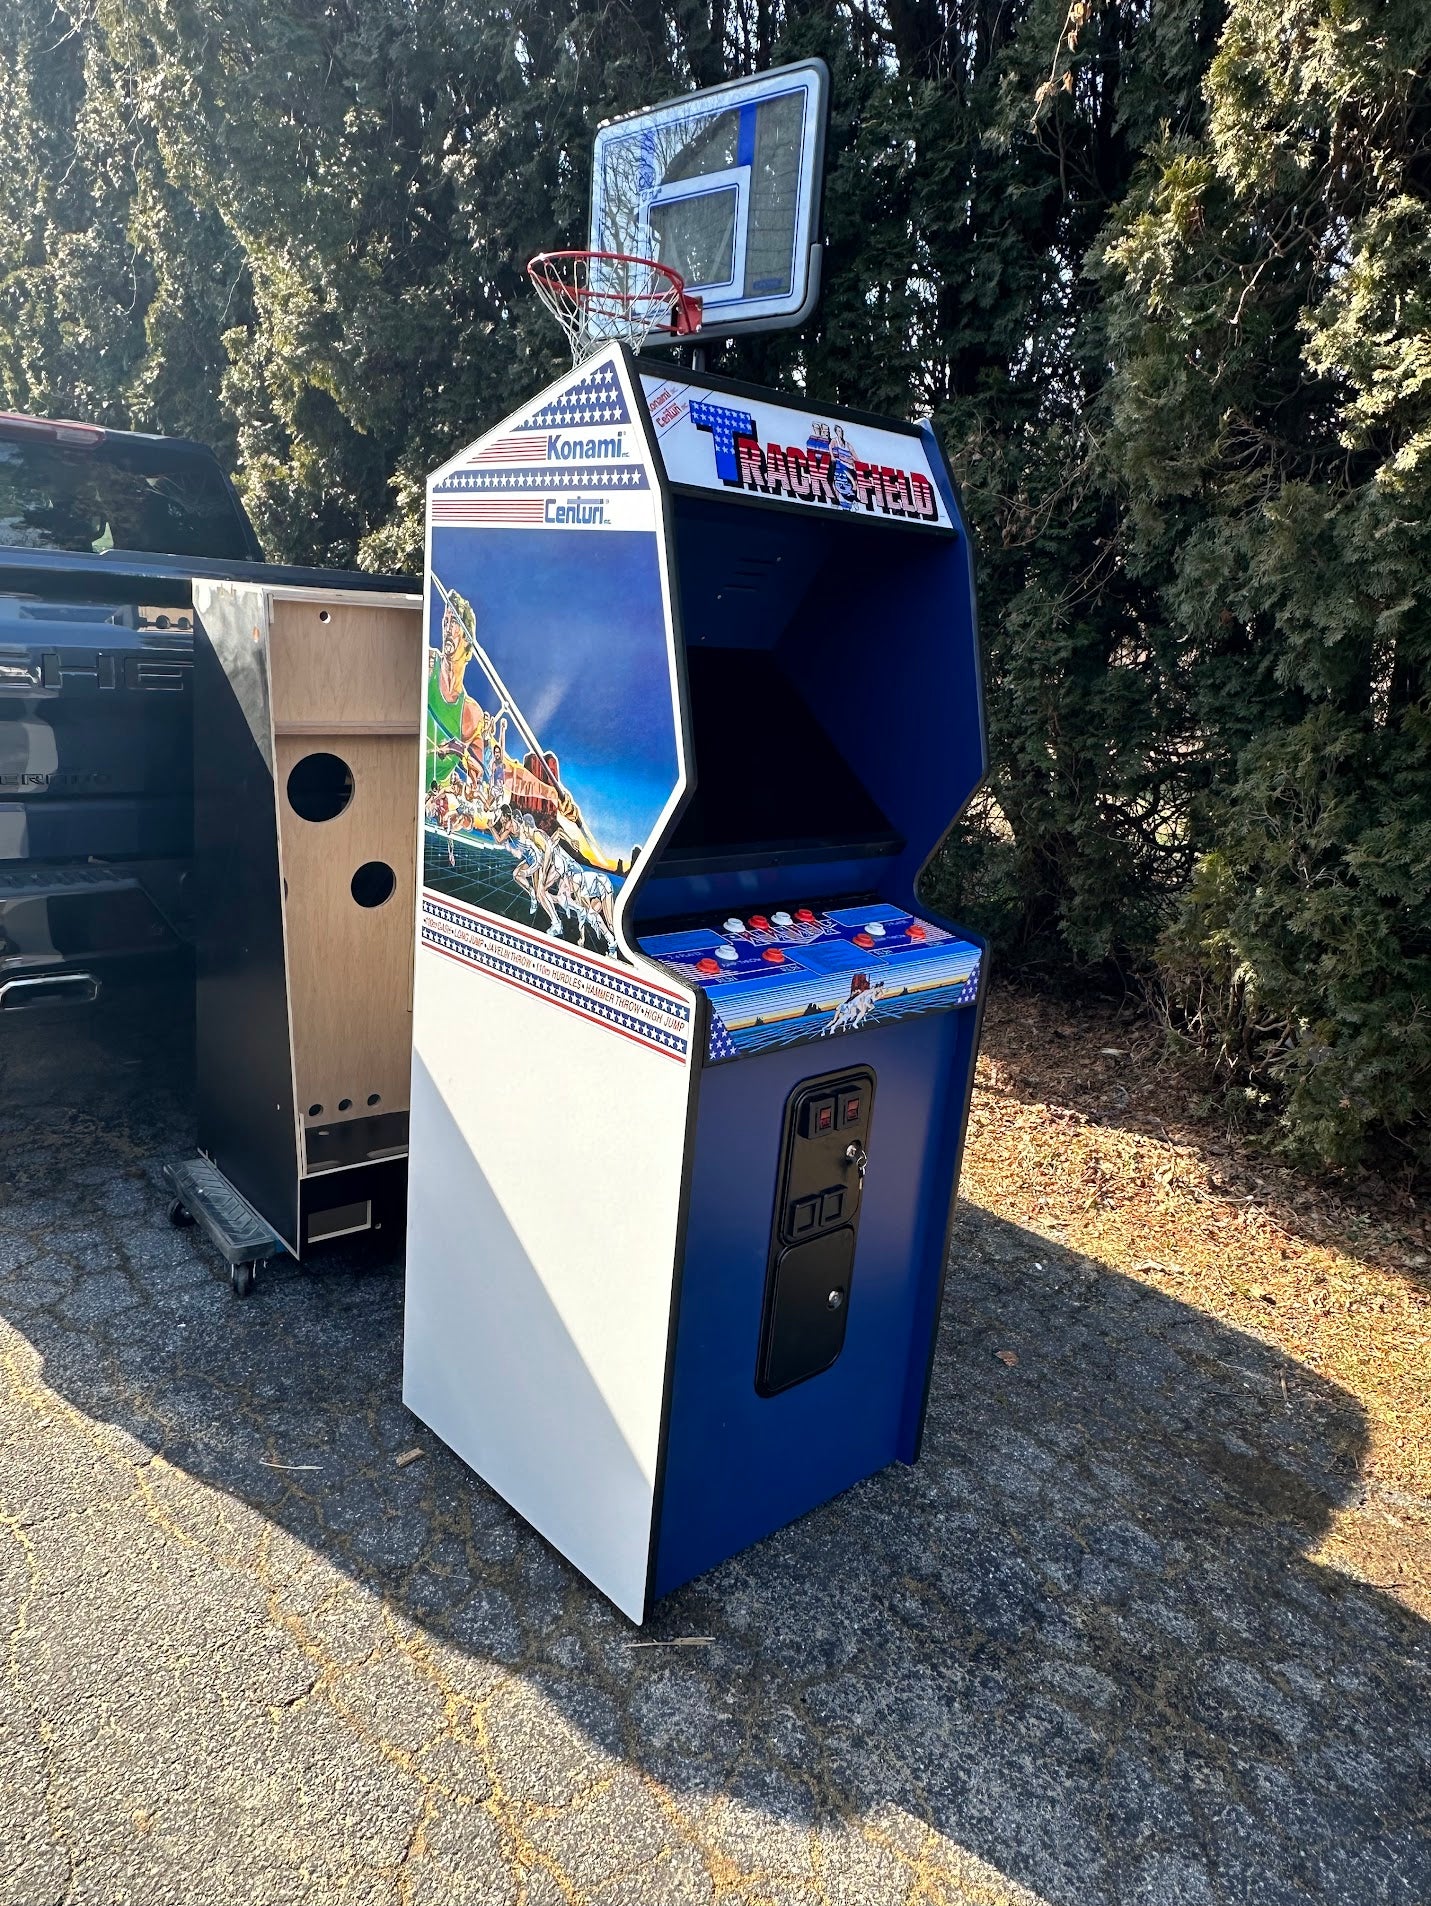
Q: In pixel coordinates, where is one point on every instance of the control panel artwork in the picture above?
(798, 973)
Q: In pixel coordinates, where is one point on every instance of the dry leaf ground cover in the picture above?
(1086, 1131)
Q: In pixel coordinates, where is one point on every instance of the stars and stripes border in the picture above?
(594, 399)
(517, 448)
(551, 478)
(563, 975)
(489, 509)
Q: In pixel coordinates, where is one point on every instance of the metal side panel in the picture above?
(244, 1064)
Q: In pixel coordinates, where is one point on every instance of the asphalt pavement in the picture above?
(1078, 1655)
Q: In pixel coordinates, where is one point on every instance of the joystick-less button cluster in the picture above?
(768, 922)
(765, 943)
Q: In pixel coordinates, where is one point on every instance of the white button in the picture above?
(726, 953)
(781, 920)
(875, 929)
(732, 926)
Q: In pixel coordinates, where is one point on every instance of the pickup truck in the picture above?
(100, 533)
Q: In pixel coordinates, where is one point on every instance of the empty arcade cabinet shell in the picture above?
(306, 797)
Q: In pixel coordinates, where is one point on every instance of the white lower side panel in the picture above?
(545, 1167)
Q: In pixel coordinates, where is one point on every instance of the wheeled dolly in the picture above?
(203, 1196)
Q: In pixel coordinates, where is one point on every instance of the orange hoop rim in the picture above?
(552, 267)
(598, 296)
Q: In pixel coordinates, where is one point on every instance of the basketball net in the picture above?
(598, 297)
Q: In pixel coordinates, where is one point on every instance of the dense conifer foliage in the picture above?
(1269, 316)
(1158, 269)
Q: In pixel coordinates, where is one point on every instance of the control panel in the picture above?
(823, 1154)
(803, 972)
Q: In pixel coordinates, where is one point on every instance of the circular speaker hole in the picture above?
(375, 1098)
(320, 786)
(345, 1105)
(315, 1111)
(373, 883)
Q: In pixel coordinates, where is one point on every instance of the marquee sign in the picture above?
(713, 441)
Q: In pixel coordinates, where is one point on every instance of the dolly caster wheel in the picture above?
(242, 1277)
(180, 1215)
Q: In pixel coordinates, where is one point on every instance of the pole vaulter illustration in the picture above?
(532, 785)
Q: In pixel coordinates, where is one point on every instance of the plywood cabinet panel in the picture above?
(349, 965)
(311, 708)
(344, 663)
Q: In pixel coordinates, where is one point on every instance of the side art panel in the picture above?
(553, 1063)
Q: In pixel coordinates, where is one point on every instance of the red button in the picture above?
(707, 966)
(863, 939)
(773, 954)
(760, 923)
(804, 914)
(916, 932)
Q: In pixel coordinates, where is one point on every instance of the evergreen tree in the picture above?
(114, 284)
(1157, 268)
(1271, 309)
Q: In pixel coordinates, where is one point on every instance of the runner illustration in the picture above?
(518, 803)
(524, 840)
(831, 450)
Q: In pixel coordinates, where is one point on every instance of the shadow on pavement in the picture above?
(1083, 1640)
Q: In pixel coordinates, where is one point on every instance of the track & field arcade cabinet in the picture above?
(692, 1063)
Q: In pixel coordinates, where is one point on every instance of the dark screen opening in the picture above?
(768, 777)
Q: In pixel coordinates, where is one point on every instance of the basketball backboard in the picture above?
(723, 185)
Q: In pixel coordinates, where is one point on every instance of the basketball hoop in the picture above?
(599, 296)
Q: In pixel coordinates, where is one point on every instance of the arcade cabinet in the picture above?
(305, 830)
(692, 1063)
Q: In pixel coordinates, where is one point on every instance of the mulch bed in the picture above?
(1088, 1131)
